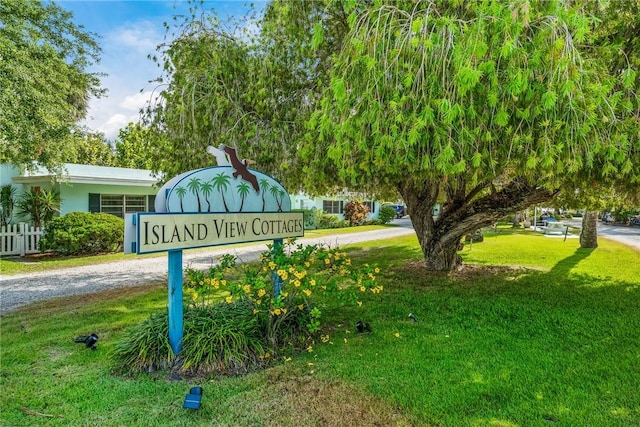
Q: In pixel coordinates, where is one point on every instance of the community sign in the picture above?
(218, 205)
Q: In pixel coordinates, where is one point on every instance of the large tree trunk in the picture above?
(463, 213)
(589, 233)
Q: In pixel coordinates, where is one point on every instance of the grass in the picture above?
(532, 332)
(37, 263)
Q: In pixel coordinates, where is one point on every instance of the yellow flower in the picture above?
(307, 292)
(345, 340)
(310, 349)
(287, 359)
(246, 289)
(324, 338)
(312, 282)
(359, 303)
(223, 282)
(229, 299)
(272, 265)
(292, 269)
(195, 296)
(301, 307)
(259, 301)
(377, 270)
(307, 264)
(327, 261)
(256, 311)
(362, 289)
(277, 311)
(261, 293)
(296, 283)
(397, 334)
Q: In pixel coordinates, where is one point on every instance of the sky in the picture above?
(128, 31)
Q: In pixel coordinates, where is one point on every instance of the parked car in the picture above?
(401, 211)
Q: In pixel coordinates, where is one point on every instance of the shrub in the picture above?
(387, 213)
(356, 212)
(240, 318)
(328, 221)
(83, 233)
(311, 218)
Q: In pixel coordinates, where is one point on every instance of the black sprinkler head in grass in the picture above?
(413, 317)
(363, 327)
(193, 399)
(89, 340)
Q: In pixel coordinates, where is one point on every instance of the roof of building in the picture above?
(89, 174)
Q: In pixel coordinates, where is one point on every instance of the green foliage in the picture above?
(88, 148)
(356, 212)
(39, 205)
(44, 82)
(133, 148)
(83, 233)
(7, 202)
(386, 214)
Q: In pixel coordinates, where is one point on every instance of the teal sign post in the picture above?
(214, 206)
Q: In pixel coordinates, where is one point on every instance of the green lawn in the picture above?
(533, 332)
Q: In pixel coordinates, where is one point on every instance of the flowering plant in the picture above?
(283, 286)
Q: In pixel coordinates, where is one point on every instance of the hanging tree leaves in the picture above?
(483, 106)
(44, 85)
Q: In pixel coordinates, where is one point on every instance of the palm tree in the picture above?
(39, 205)
(206, 188)
(281, 193)
(264, 186)
(194, 186)
(221, 181)
(243, 189)
(181, 192)
(275, 190)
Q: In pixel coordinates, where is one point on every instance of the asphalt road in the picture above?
(20, 290)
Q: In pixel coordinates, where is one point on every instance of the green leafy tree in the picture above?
(88, 148)
(133, 148)
(44, 85)
(484, 107)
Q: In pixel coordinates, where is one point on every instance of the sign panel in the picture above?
(157, 232)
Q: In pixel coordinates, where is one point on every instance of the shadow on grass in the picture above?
(564, 266)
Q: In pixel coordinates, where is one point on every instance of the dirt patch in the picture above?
(303, 399)
(467, 271)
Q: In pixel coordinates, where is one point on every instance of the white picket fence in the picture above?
(19, 239)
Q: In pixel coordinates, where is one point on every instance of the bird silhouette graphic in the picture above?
(241, 167)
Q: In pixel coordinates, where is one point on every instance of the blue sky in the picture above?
(128, 32)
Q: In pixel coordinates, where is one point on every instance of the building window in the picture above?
(120, 204)
(333, 206)
(370, 205)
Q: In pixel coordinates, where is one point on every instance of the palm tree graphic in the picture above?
(206, 188)
(243, 189)
(264, 185)
(220, 182)
(194, 185)
(275, 192)
(181, 192)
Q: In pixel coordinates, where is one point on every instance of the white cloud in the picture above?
(141, 36)
(113, 125)
(137, 101)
